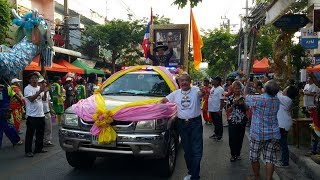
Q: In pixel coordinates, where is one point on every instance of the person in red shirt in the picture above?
(15, 105)
(205, 114)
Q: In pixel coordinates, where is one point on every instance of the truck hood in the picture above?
(115, 101)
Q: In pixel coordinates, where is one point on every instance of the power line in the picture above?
(126, 7)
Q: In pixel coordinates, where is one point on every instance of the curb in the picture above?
(305, 164)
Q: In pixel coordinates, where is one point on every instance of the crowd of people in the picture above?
(40, 103)
(257, 103)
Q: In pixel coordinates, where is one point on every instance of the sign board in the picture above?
(291, 21)
(309, 38)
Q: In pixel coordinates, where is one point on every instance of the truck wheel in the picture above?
(80, 159)
(168, 163)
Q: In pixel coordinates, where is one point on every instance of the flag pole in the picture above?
(151, 32)
(189, 43)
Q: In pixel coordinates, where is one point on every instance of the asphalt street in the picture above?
(215, 164)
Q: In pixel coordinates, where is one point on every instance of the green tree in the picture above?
(266, 37)
(121, 38)
(5, 20)
(220, 52)
(183, 3)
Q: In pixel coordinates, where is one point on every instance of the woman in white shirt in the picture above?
(285, 121)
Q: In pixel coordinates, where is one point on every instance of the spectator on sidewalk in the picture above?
(70, 91)
(237, 120)
(16, 106)
(57, 98)
(6, 93)
(48, 111)
(189, 123)
(285, 122)
(215, 107)
(264, 129)
(309, 94)
(34, 110)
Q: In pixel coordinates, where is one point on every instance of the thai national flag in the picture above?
(146, 42)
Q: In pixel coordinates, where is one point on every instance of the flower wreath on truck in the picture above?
(93, 109)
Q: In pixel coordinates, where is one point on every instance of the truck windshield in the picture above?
(138, 84)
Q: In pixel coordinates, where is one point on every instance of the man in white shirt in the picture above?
(190, 128)
(34, 110)
(309, 93)
(215, 107)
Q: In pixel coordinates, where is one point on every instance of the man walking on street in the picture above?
(215, 107)
(36, 117)
(6, 93)
(264, 129)
(190, 128)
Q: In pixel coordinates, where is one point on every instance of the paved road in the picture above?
(53, 165)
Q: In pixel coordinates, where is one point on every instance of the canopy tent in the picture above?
(87, 69)
(261, 66)
(255, 61)
(314, 68)
(34, 66)
(70, 67)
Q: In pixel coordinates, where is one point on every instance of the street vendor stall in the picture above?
(261, 66)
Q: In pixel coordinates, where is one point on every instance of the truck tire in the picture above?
(168, 163)
(80, 160)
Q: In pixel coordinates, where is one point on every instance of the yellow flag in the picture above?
(197, 43)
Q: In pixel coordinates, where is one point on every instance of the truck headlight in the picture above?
(146, 125)
(71, 120)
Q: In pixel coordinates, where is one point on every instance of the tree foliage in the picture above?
(183, 3)
(119, 39)
(266, 37)
(220, 52)
(5, 20)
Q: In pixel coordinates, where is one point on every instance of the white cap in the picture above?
(41, 79)
(69, 79)
(14, 80)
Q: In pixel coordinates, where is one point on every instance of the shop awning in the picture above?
(70, 67)
(314, 68)
(261, 66)
(34, 66)
(87, 69)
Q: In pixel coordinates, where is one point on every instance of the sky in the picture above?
(208, 14)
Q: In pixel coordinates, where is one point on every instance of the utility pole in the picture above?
(106, 20)
(239, 45)
(246, 36)
(66, 24)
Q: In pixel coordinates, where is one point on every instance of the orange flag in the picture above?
(197, 43)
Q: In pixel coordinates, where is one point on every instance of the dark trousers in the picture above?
(217, 122)
(315, 142)
(236, 134)
(192, 143)
(34, 125)
(9, 130)
(284, 147)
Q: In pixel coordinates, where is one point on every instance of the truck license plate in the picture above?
(94, 141)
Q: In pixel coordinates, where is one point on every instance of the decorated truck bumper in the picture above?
(151, 145)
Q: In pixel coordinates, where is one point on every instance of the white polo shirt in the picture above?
(35, 108)
(188, 103)
(216, 94)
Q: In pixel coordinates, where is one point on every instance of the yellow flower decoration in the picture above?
(103, 119)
